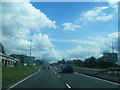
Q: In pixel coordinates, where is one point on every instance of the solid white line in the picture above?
(68, 85)
(58, 76)
(97, 78)
(21, 81)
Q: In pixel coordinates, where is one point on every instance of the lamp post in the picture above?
(30, 47)
(112, 48)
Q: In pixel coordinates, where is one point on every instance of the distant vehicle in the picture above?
(51, 64)
(67, 68)
(46, 65)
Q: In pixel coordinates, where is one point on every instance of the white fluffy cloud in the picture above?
(95, 47)
(23, 17)
(83, 52)
(105, 43)
(19, 22)
(51, 55)
(70, 26)
(41, 42)
(97, 14)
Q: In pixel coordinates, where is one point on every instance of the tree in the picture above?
(77, 62)
(38, 62)
(103, 64)
(61, 62)
(90, 62)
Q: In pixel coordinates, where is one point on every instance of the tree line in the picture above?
(91, 62)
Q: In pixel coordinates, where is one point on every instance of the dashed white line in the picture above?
(97, 78)
(58, 76)
(68, 85)
(55, 73)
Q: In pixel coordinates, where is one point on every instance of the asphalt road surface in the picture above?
(51, 78)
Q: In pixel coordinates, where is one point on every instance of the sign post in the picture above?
(110, 57)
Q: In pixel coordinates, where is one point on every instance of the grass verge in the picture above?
(13, 74)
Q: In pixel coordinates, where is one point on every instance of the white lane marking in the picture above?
(35, 73)
(68, 85)
(58, 76)
(76, 72)
(98, 78)
(55, 73)
(22, 81)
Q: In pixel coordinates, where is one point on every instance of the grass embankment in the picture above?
(11, 75)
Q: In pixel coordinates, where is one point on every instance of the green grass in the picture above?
(13, 74)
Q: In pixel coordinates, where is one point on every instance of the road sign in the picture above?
(110, 57)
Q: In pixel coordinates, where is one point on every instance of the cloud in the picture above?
(105, 43)
(20, 21)
(101, 14)
(51, 55)
(22, 17)
(75, 41)
(41, 42)
(70, 26)
(97, 14)
(83, 52)
(94, 46)
(113, 39)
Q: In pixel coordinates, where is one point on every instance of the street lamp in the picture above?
(112, 48)
(30, 47)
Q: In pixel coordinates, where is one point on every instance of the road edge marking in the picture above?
(22, 80)
(67, 85)
(97, 78)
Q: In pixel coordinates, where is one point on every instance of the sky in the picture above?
(58, 30)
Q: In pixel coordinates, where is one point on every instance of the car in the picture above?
(67, 68)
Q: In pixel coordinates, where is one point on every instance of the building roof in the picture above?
(2, 49)
(19, 55)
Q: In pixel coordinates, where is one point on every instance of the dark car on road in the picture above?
(67, 68)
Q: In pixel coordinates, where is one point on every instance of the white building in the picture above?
(8, 60)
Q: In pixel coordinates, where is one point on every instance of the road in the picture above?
(53, 79)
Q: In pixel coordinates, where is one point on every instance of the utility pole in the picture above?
(112, 47)
(30, 47)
